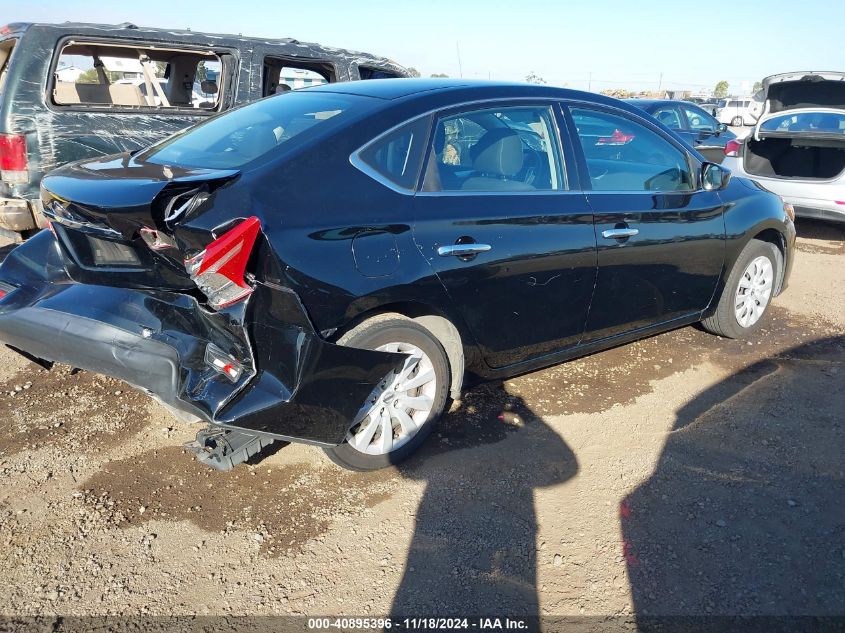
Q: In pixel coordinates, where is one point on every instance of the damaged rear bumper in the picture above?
(295, 386)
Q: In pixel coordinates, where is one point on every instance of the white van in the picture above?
(737, 111)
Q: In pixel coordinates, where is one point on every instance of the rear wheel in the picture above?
(737, 121)
(402, 410)
(748, 292)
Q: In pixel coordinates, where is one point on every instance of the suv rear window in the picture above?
(6, 48)
(256, 130)
(366, 72)
(126, 76)
(283, 75)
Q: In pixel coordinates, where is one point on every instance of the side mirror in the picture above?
(721, 128)
(714, 177)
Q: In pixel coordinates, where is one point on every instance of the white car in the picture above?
(737, 111)
(797, 147)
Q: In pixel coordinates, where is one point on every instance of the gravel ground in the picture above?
(683, 474)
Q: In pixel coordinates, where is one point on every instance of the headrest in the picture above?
(498, 152)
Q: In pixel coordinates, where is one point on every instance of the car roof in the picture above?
(132, 31)
(648, 103)
(390, 89)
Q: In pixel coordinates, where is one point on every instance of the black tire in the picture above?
(370, 335)
(723, 322)
(737, 121)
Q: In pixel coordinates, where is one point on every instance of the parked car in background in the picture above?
(708, 104)
(797, 148)
(72, 91)
(737, 111)
(331, 265)
(691, 123)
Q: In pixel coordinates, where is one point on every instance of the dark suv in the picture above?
(73, 91)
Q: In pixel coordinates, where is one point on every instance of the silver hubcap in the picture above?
(754, 291)
(398, 406)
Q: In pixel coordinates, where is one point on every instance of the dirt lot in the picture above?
(683, 474)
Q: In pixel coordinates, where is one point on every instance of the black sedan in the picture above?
(332, 265)
(691, 123)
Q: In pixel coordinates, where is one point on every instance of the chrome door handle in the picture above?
(463, 250)
(615, 234)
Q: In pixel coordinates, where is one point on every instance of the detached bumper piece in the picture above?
(223, 450)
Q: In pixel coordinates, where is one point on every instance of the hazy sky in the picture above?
(692, 44)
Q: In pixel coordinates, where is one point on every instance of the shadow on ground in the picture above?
(474, 549)
(744, 512)
(816, 236)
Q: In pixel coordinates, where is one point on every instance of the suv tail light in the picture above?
(732, 148)
(13, 167)
(219, 270)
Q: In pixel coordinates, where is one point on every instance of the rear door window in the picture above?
(286, 74)
(371, 72)
(6, 49)
(623, 155)
(495, 149)
(128, 76)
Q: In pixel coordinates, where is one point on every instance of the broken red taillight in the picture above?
(732, 148)
(13, 163)
(219, 270)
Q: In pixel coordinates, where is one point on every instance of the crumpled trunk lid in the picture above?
(117, 219)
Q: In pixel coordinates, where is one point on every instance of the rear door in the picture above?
(508, 235)
(660, 237)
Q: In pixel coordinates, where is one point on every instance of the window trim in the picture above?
(701, 112)
(229, 74)
(303, 63)
(361, 165)
(571, 174)
(492, 104)
(693, 163)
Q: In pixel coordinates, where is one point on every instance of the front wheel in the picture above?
(748, 292)
(403, 408)
(737, 121)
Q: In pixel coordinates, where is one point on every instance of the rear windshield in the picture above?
(254, 131)
(812, 122)
(6, 48)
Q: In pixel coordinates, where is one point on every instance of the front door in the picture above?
(704, 131)
(660, 237)
(512, 244)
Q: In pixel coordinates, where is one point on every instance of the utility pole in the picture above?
(660, 83)
(460, 67)
(590, 82)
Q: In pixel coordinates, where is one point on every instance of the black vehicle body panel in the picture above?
(356, 247)
(295, 385)
(56, 135)
(711, 145)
